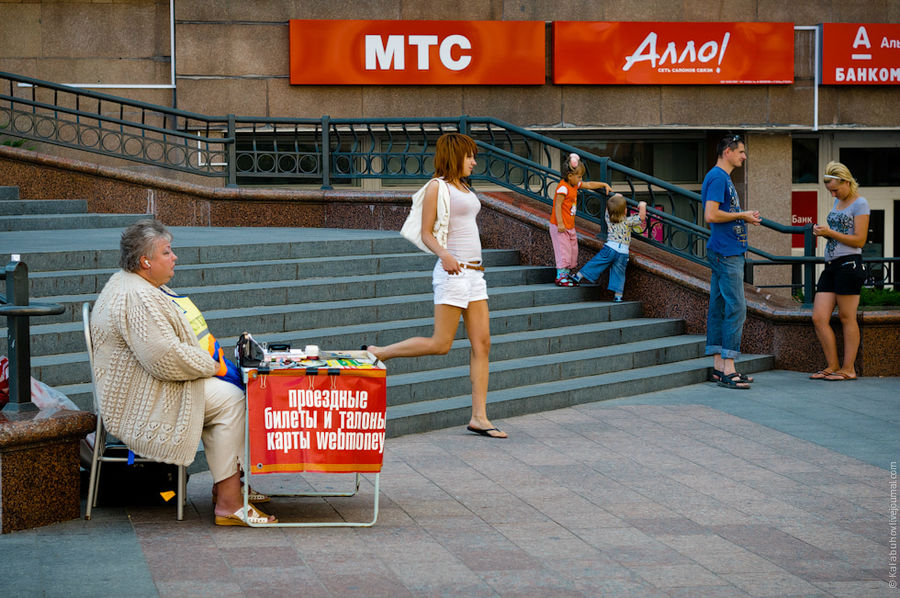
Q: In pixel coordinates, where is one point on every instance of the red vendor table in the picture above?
(327, 418)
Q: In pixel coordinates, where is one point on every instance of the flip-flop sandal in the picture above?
(731, 381)
(839, 377)
(820, 375)
(485, 432)
(254, 516)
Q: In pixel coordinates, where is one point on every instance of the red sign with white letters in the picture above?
(417, 52)
(318, 422)
(860, 54)
(804, 207)
(629, 53)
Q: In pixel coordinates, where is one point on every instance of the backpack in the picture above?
(412, 227)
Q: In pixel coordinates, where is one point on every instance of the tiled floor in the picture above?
(695, 492)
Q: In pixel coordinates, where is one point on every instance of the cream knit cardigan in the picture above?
(149, 369)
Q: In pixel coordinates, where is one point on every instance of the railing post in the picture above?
(464, 124)
(809, 268)
(748, 271)
(19, 347)
(326, 152)
(231, 171)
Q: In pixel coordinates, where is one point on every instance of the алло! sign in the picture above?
(619, 53)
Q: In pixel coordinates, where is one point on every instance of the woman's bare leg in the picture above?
(477, 320)
(446, 321)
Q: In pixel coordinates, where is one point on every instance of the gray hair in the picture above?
(140, 239)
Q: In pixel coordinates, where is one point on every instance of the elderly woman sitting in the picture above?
(160, 390)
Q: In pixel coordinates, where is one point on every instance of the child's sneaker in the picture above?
(617, 300)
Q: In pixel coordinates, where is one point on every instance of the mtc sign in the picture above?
(417, 52)
(860, 54)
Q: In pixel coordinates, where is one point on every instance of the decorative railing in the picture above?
(328, 152)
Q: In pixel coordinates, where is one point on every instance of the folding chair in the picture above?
(100, 438)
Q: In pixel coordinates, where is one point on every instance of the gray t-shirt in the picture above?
(844, 221)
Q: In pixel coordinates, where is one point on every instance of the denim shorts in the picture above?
(458, 289)
(842, 276)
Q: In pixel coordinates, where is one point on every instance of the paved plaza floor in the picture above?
(784, 490)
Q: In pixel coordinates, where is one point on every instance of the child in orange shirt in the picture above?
(562, 218)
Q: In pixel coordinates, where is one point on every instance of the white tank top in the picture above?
(463, 241)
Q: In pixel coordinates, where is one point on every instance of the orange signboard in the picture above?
(861, 53)
(417, 52)
(316, 422)
(629, 53)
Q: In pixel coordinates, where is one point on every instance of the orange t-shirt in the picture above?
(568, 204)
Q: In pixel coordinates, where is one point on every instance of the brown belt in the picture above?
(471, 266)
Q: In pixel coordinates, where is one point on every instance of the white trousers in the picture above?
(223, 428)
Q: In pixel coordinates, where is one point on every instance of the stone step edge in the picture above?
(559, 394)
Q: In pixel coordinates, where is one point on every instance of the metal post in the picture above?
(326, 153)
(231, 171)
(19, 348)
(464, 124)
(809, 250)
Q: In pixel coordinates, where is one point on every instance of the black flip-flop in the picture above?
(485, 432)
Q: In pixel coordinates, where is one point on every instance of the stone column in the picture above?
(767, 176)
(39, 467)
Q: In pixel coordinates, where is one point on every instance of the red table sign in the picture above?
(323, 422)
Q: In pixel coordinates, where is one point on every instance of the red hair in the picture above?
(450, 151)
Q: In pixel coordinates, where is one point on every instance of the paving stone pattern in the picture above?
(645, 497)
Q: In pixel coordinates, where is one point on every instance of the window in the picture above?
(804, 160)
(873, 166)
(676, 162)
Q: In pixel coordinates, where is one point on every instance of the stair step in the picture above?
(24, 207)
(535, 369)
(71, 368)
(8, 193)
(455, 411)
(67, 221)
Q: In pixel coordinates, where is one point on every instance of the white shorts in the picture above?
(458, 289)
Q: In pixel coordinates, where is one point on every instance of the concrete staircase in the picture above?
(551, 347)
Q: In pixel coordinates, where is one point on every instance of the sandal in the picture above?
(821, 374)
(254, 516)
(566, 281)
(717, 374)
(733, 381)
(839, 377)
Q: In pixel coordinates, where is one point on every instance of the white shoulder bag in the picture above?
(412, 228)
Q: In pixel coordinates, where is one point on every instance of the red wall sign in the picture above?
(804, 208)
(607, 53)
(316, 423)
(861, 54)
(417, 52)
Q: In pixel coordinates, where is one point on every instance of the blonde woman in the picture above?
(840, 283)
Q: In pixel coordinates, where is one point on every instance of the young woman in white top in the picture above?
(842, 279)
(458, 277)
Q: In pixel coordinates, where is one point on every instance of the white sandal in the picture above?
(254, 516)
